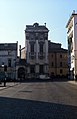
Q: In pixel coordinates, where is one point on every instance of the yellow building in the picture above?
(58, 60)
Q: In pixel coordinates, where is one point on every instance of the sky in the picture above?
(16, 14)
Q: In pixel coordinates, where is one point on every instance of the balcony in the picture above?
(41, 55)
(32, 55)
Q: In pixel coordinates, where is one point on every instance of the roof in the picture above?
(8, 46)
(61, 50)
(55, 47)
(73, 14)
(36, 27)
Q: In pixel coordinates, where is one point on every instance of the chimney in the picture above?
(20, 51)
(17, 48)
(45, 24)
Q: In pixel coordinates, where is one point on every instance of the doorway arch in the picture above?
(21, 73)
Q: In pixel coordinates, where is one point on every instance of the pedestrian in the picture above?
(5, 82)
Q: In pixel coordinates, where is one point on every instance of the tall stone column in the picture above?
(46, 57)
(27, 51)
(46, 51)
(37, 60)
(37, 50)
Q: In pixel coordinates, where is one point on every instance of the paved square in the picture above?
(39, 100)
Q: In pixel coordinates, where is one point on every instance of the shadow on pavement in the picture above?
(44, 80)
(1, 85)
(11, 108)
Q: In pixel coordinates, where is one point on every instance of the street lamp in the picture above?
(14, 69)
(5, 69)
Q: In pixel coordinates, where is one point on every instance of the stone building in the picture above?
(8, 56)
(21, 69)
(36, 43)
(58, 60)
(72, 45)
(23, 54)
(21, 66)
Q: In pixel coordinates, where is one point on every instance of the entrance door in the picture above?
(21, 73)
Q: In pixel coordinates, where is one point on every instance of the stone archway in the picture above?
(21, 73)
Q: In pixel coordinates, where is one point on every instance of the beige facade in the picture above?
(72, 45)
(58, 59)
(23, 53)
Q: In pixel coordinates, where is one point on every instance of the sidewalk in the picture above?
(73, 82)
(8, 85)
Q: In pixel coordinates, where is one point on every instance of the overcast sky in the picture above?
(16, 14)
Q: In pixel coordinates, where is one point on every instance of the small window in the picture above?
(41, 48)
(61, 71)
(60, 56)
(32, 47)
(52, 73)
(5, 68)
(27, 37)
(52, 55)
(36, 37)
(9, 52)
(31, 38)
(9, 62)
(36, 34)
(41, 38)
(32, 69)
(60, 64)
(46, 38)
(2, 63)
(41, 69)
(52, 64)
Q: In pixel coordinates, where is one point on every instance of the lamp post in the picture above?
(14, 69)
(5, 69)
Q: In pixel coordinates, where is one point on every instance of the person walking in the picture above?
(5, 81)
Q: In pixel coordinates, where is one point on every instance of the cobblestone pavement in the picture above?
(39, 100)
(8, 85)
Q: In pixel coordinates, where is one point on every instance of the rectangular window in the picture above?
(52, 64)
(9, 62)
(9, 52)
(32, 47)
(36, 34)
(41, 69)
(27, 37)
(52, 55)
(61, 71)
(60, 56)
(2, 63)
(32, 69)
(60, 64)
(41, 38)
(36, 37)
(46, 38)
(31, 38)
(41, 48)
